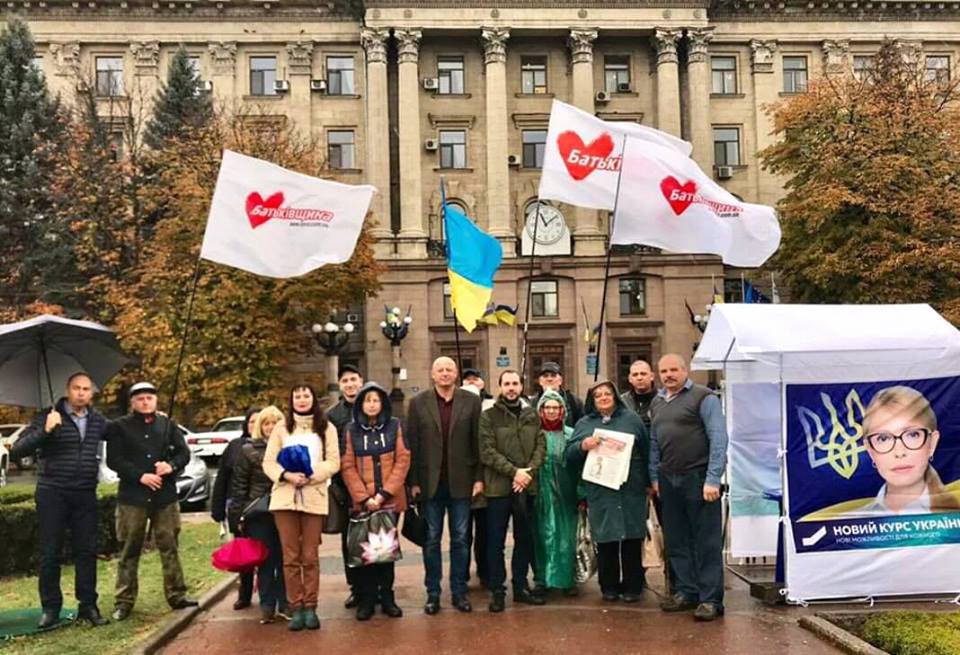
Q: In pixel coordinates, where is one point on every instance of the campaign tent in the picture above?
(805, 373)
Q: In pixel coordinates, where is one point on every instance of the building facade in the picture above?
(405, 93)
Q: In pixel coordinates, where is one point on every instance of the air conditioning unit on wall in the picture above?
(430, 144)
(430, 83)
(281, 86)
(513, 160)
(602, 96)
(724, 172)
(318, 85)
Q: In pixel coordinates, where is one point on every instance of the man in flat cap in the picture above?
(551, 377)
(148, 453)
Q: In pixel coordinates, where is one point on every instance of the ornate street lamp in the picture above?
(332, 337)
(395, 328)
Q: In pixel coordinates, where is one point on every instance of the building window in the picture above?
(533, 75)
(726, 146)
(340, 149)
(633, 296)
(340, 76)
(454, 204)
(447, 305)
(450, 75)
(109, 76)
(453, 149)
(794, 74)
(616, 73)
(863, 67)
(534, 142)
(543, 298)
(724, 70)
(937, 69)
(263, 76)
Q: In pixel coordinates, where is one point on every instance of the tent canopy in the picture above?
(745, 338)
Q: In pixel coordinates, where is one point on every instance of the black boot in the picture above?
(49, 619)
(497, 601)
(389, 605)
(365, 610)
(92, 616)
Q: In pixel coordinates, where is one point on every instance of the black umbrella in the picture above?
(38, 355)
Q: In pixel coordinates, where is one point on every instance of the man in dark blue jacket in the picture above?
(67, 440)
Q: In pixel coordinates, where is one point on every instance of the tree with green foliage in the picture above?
(181, 104)
(36, 245)
(872, 206)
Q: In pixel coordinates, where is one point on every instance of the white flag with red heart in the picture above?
(273, 222)
(668, 202)
(582, 156)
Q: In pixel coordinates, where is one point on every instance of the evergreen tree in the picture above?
(36, 251)
(181, 104)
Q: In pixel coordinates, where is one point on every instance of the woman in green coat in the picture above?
(556, 505)
(618, 517)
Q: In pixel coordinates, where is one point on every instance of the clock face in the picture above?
(550, 226)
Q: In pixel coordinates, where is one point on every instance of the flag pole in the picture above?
(183, 344)
(606, 269)
(526, 311)
(456, 321)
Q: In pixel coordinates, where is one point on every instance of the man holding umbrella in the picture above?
(67, 439)
(148, 453)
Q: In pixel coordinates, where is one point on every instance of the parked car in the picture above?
(4, 462)
(212, 444)
(193, 484)
(9, 434)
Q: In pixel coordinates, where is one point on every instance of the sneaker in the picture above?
(678, 603)
(121, 612)
(282, 614)
(267, 616)
(310, 619)
(707, 612)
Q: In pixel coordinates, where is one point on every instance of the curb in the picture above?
(845, 641)
(181, 619)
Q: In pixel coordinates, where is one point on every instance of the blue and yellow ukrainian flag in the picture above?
(473, 257)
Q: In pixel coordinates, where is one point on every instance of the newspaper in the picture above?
(609, 464)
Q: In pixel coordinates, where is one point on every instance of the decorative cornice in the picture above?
(835, 56)
(761, 55)
(146, 56)
(494, 41)
(665, 42)
(580, 42)
(300, 57)
(223, 56)
(698, 42)
(723, 11)
(374, 42)
(66, 58)
(188, 10)
(408, 45)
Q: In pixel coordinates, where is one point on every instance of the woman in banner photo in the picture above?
(618, 517)
(900, 435)
(250, 494)
(375, 465)
(555, 541)
(301, 457)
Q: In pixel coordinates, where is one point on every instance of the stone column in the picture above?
(223, 72)
(698, 81)
(146, 74)
(668, 79)
(765, 92)
(377, 135)
(299, 74)
(494, 40)
(588, 238)
(413, 237)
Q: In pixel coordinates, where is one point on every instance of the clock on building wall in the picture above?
(548, 225)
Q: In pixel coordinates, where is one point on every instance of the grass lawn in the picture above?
(915, 633)
(197, 541)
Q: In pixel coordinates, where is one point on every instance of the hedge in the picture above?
(915, 633)
(19, 552)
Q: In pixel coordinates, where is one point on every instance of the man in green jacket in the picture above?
(512, 448)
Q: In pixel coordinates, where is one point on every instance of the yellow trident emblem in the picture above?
(842, 447)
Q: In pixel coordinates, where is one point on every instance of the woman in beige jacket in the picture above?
(299, 503)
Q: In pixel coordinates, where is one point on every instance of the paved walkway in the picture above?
(582, 624)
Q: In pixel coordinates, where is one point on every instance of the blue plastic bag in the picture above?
(295, 459)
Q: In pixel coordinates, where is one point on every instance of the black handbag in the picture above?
(338, 509)
(414, 525)
(256, 508)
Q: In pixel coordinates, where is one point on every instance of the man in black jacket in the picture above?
(67, 439)
(551, 377)
(148, 453)
(340, 415)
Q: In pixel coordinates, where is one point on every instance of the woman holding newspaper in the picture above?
(612, 448)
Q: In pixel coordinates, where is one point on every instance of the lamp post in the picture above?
(395, 328)
(332, 338)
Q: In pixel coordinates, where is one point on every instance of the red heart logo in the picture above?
(585, 157)
(257, 206)
(680, 196)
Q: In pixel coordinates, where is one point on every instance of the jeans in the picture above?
(459, 521)
(519, 507)
(270, 582)
(58, 510)
(619, 566)
(693, 536)
(131, 531)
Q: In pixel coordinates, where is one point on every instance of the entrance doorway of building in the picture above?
(539, 353)
(628, 353)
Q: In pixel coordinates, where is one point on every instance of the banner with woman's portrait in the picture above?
(873, 488)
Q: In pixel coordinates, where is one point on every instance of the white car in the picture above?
(213, 443)
(4, 463)
(9, 433)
